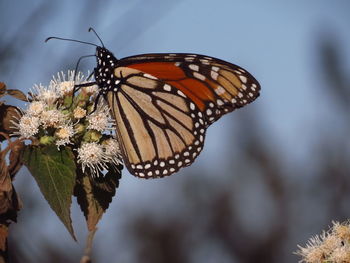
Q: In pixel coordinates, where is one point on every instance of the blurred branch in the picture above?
(88, 249)
(332, 67)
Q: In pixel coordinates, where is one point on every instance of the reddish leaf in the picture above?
(8, 114)
(3, 237)
(17, 94)
(16, 158)
(9, 201)
(2, 89)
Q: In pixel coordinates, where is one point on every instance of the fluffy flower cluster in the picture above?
(332, 246)
(58, 115)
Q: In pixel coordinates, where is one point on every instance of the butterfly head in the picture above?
(104, 72)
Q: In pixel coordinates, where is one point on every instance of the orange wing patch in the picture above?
(175, 76)
(161, 70)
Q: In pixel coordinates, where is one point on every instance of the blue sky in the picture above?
(277, 41)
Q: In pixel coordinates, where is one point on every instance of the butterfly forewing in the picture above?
(214, 85)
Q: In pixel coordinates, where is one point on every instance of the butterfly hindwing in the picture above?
(159, 127)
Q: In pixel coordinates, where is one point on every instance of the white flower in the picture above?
(47, 95)
(99, 120)
(27, 126)
(52, 118)
(112, 151)
(92, 156)
(90, 90)
(332, 246)
(340, 254)
(64, 134)
(65, 83)
(36, 107)
(79, 113)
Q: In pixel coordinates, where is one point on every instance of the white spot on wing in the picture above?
(214, 75)
(194, 67)
(189, 59)
(204, 61)
(167, 87)
(149, 76)
(220, 102)
(243, 78)
(192, 106)
(198, 76)
(181, 93)
(219, 90)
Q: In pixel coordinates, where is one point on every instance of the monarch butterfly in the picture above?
(163, 103)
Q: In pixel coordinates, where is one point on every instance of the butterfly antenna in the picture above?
(72, 40)
(76, 70)
(93, 30)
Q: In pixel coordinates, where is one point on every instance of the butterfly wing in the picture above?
(215, 86)
(165, 103)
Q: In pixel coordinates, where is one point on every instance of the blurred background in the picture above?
(271, 174)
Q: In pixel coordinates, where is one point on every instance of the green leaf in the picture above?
(54, 171)
(95, 194)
